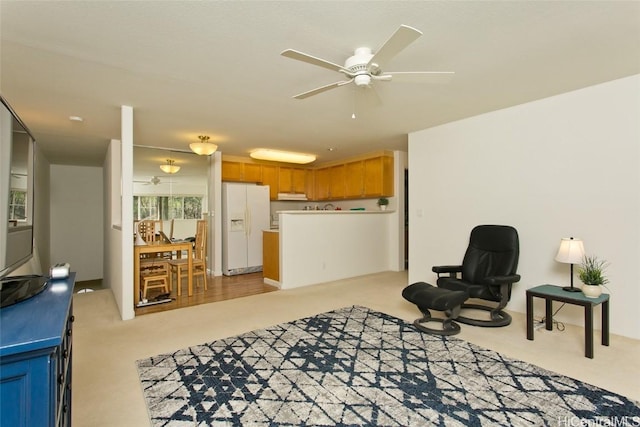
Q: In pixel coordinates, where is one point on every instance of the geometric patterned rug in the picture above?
(358, 367)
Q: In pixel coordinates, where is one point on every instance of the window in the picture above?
(18, 205)
(167, 207)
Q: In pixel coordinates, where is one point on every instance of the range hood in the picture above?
(292, 196)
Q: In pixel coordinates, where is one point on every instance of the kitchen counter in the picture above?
(322, 246)
(340, 212)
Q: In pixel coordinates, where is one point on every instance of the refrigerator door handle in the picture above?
(247, 221)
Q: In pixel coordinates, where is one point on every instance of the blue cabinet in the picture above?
(35, 358)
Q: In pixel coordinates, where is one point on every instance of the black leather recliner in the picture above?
(488, 272)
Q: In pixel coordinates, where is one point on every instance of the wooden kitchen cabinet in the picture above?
(252, 173)
(357, 179)
(329, 183)
(292, 180)
(241, 172)
(378, 177)
(354, 179)
(369, 178)
(337, 177)
(270, 178)
(322, 182)
(363, 177)
(271, 255)
(232, 171)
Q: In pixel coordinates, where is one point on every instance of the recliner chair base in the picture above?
(498, 319)
(426, 297)
(449, 327)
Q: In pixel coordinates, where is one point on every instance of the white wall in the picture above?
(76, 212)
(124, 234)
(112, 224)
(318, 247)
(564, 166)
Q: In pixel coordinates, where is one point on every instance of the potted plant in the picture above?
(383, 202)
(591, 273)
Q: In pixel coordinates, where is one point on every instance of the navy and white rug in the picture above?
(358, 367)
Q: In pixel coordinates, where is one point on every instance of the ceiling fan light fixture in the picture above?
(204, 147)
(282, 156)
(170, 167)
(362, 80)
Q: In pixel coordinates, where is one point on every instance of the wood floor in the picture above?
(219, 288)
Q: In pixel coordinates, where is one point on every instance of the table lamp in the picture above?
(571, 251)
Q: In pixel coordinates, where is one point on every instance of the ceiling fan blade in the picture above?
(399, 40)
(370, 96)
(316, 91)
(435, 77)
(294, 54)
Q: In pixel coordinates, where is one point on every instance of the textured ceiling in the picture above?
(214, 68)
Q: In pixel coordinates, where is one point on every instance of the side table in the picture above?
(552, 293)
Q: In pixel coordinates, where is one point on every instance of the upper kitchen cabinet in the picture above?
(354, 183)
(378, 177)
(365, 177)
(270, 178)
(322, 182)
(369, 178)
(292, 180)
(329, 183)
(337, 182)
(241, 171)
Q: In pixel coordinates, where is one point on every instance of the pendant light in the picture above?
(204, 147)
(170, 167)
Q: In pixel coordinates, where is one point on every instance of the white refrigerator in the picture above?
(245, 213)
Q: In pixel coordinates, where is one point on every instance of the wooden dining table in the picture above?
(164, 245)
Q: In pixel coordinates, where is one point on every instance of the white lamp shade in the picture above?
(203, 148)
(571, 251)
(169, 169)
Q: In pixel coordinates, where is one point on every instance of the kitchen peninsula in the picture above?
(321, 246)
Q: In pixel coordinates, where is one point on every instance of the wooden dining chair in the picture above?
(199, 264)
(154, 269)
(147, 230)
(151, 231)
(155, 275)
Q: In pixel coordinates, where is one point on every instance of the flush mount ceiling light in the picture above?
(170, 167)
(282, 156)
(204, 147)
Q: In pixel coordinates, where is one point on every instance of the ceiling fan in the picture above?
(365, 66)
(154, 180)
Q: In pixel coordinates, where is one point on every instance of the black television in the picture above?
(16, 190)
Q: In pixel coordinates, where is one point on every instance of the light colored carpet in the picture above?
(106, 387)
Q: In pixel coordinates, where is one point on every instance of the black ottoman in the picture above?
(428, 297)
